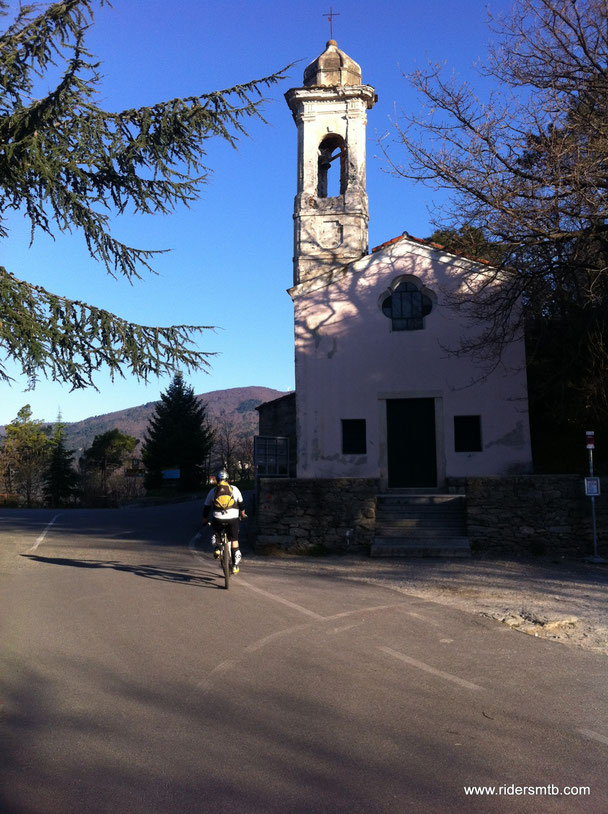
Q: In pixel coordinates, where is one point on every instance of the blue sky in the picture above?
(231, 258)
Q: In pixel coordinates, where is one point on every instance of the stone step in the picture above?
(422, 497)
(433, 515)
(418, 547)
(421, 500)
(421, 525)
(413, 518)
(403, 530)
(423, 512)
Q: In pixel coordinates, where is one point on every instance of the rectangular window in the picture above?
(271, 456)
(354, 441)
(467, 433)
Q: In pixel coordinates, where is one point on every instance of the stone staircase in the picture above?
(420, 525)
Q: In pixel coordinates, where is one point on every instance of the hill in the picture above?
(236, 406)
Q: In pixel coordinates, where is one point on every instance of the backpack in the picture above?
(223, 499)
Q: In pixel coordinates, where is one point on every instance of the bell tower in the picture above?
(330, 208)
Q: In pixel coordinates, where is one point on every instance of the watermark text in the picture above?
(513, 790)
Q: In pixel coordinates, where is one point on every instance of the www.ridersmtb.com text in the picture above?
(550, 790)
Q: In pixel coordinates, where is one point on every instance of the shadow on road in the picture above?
(179, 575)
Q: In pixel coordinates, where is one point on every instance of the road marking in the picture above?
(267, 594)
(344, 627)
(589, 733)
(280, 599)
(420, 617)
(293, 605)
(43, 535)
(261, 643)
(225, 666)
(428, 669)
(362, 610)
(193, 542)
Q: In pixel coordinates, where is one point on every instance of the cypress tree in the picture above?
(179, 436)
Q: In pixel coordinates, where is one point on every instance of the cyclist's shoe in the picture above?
(235, 569)
(217, 553)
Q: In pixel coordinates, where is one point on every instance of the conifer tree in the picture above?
(69, 166)
(24, 455)
(60, 480)
(179, 436)
(107, 453)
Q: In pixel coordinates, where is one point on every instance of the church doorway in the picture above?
(411, 443)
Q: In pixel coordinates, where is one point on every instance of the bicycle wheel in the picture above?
(226, 560)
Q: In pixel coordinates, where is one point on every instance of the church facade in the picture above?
(380, 393)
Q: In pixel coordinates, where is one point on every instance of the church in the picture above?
(380, 394)
(388, 422)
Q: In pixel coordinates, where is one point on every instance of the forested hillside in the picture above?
(233, 408)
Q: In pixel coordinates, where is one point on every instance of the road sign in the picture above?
(592, 487)
(171, 474)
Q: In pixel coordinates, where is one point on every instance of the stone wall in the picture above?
(527, 514)
(312, 515)
(535, 514)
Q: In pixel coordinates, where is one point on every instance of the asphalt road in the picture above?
(133, 682)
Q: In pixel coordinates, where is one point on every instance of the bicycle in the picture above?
(225, 556)
(226, 553)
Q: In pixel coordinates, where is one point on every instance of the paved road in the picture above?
(132, 682)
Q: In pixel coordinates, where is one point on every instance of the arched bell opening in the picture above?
(332, 173)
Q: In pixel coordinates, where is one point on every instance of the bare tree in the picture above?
(529, 168)
(233, 449)
(244, 457)
(225, 447)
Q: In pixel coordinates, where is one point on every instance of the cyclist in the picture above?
(225, 504)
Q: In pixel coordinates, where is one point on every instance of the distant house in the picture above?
(378, 393)
(277, 419)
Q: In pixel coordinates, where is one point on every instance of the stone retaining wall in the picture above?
(310, 515)
(527, 514)
(535, 514)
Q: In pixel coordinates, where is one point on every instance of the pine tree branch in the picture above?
(31, 43)
(69, 166)
(67, 340)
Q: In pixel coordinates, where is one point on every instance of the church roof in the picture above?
(333, 67)
(430, 244)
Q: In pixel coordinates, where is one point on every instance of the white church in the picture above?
(378, 394)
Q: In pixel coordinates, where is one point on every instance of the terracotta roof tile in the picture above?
(430, 244)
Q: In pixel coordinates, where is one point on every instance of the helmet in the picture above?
(222, 475)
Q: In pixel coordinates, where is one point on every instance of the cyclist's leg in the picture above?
(233, 536)
(216, 528)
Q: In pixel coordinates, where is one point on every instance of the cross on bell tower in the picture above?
(330, 208)
(331, 16)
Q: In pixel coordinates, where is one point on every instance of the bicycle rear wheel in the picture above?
(226, 560)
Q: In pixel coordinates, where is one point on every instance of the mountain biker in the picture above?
(225, 504)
